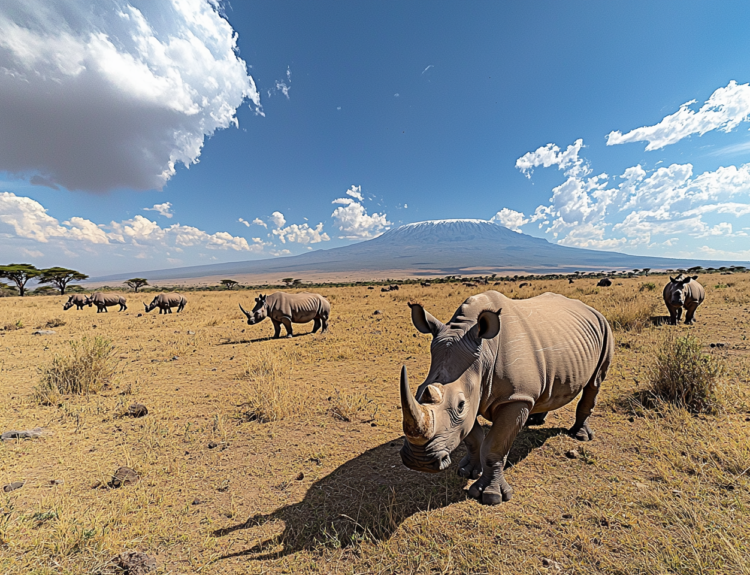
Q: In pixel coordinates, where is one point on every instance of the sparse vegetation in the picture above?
(629, 312)
(647, 286)
(86, 369)
(269, 393)
(684, 375)
(347, 406)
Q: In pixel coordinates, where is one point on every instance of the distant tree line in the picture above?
(20, 274)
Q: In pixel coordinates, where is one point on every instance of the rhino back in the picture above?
(293, 305)
(173, 299)
(695, 292)
(547, 350)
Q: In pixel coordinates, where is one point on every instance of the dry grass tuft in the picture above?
(682, 374)
(647, 286)
(55, 322)
(347, 406)
(629, 313)
(270, 394)
(85, 370)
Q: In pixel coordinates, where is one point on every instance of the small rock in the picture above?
(137, 410)
(56, 481)
(552, 565)
(196, 501)
(139, 315)
(212, 444)
(43, 332)
(677, 493)
(572, 454)
(193, 333)
(175, 358)
(567, 516)
(25, 434)
(377, 312)
(124, 476)
(631, 419)
(135, 563)
(13, 486)
(300, 476)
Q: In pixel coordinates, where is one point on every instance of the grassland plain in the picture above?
(317, 486)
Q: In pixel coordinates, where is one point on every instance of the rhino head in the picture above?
(69, 304)
(259, 313)
(678, 289)
(446, 405)
(88, 301)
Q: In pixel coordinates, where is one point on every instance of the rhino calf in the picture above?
(286, 308)
(102, 301)
(77, 299)
(505, 360)
(165, 302)
(683, 292)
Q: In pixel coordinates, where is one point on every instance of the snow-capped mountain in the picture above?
(432, 248)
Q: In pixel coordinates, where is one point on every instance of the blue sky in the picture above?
(329, 122)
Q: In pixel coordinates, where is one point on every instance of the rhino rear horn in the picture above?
(243, 311)
(417, 418)
(424, 321)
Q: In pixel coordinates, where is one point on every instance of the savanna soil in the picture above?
(322, 489)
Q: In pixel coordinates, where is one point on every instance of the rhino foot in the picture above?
(536, 419)
(582, 433)
(470, 469)
(490, 494)
(493, 498)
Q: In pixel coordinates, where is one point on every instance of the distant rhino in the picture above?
(604, 282)
(470, 284)
(102, 301)
(505, 360)
(165, 302)
(288, 308)
(77, 299)
(683, 292)
(425, 284)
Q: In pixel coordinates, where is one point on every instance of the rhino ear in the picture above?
(423, 321)
(672, 279)
(488, 324)
(694, 277)
(432, 395)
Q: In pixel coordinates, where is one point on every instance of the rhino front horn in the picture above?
(243, 311)
(417, 418)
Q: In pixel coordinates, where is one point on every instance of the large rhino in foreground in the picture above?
(289, 308)
(102, 301)
(505, 360)
(165, 302)
(683, 292)
(77, 299)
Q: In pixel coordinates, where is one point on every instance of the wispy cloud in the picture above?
(164, 209)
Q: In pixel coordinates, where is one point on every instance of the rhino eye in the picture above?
(461, 405)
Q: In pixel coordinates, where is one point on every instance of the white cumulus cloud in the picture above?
(551, 155)
(352, 218)
(278, 219)
(724, 110)
(108, 95)
(164, 209)
(302, 234)
(511, 219)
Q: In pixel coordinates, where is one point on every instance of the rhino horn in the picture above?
(243, 311)
(417, 418)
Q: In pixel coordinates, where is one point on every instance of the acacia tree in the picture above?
(60, 277)
(288, 281)
(229, 284)
(136, 283)
(19, 274)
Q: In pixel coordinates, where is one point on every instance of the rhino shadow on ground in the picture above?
(258, 339)
(368, 497)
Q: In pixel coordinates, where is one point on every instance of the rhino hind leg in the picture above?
(537, 418)
(690, 315)
(508, 419)
(581, 430)
(471, 464)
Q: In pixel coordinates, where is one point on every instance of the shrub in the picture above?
(88, 367)
(685, 376)
(650, 286)
(346, 406)
(629, 313)
(269, 394)
(55, 322)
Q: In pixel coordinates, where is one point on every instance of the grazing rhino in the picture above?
(505, 360)
(288, 308)
(604, 282)
(165, 302)
(77, 299)
(683, 292)
(102, 301)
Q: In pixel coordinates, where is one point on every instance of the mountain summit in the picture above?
(436, 247)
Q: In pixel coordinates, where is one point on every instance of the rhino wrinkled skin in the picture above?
(102, 301)
(683, 292)
(288, 308)
(505, 360)
(78, 300)
(165, 302)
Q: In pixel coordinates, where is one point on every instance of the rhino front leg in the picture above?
(324, 323)
(508, 420)
(276, 328)
(316, 325)
(471, 465)
(288, 325)
(537, 418)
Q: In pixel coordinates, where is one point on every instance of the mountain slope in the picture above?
(435, 247)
